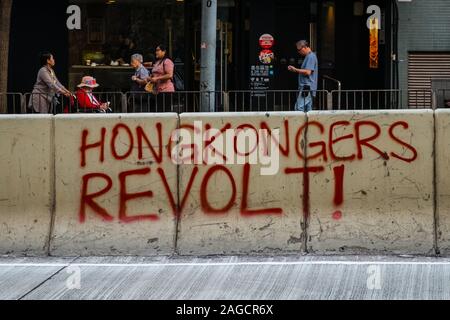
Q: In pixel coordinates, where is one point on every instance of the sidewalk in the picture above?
(229, 278)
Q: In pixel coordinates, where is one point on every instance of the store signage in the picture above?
(262, 73)
(266, 56)
(260, 76)
(266, 41)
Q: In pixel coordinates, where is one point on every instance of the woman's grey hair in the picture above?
(137, 57)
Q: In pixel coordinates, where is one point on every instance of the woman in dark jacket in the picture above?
(47, 87)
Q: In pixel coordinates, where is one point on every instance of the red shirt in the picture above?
(87, 100)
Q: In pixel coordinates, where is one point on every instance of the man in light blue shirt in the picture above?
(307, 77)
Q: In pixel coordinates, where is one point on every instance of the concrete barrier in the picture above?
(442, 146)
(114, 185)
(335, 182)
(234, 209)
(375, 193)
(26, 189)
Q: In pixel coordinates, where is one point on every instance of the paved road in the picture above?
(231, 278)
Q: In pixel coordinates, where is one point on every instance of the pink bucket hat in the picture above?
(88, 82)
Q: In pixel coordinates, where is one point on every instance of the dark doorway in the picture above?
(36, 27)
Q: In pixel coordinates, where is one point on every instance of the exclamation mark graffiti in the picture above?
(338, 190)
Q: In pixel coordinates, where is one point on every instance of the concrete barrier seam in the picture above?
(53, 185)
(435, 191)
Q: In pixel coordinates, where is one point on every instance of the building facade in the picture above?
(424, 48)
(255, 41)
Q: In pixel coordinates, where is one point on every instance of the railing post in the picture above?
(329, 100)
(23, 104)
(339, 94)
(124, 103)
(433, 100)
(339, 85)
(226, 101)
(208, 54)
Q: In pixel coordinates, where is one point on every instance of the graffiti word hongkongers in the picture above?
(240, 146)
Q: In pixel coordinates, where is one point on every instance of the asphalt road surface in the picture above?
(228, 278)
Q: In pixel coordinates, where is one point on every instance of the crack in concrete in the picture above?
(47, 280)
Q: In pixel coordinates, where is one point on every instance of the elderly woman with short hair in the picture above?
(47, 87)
(140, 76)
(138, 99)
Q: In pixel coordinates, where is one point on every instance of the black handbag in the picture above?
(306, 91)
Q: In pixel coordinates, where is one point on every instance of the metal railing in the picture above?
(381, 99)
(115, 100)
(441, 98)
(232, 101)
(266, 101)
(338, 83)
(12, 103)
(178, 102)
(37, 102)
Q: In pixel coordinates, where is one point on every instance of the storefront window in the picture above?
(115, 30)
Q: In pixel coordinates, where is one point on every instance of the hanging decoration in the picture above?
(374, 47)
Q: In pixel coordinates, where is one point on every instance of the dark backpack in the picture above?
(177, 80)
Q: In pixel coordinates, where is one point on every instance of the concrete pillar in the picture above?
(208, 55)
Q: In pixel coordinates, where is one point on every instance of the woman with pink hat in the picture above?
(86, 98)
